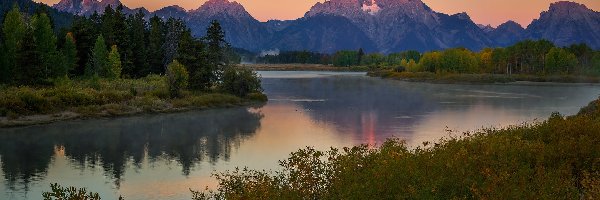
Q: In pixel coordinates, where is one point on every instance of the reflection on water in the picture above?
(163, 156)
(110, 147)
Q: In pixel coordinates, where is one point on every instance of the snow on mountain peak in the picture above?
(371, 8)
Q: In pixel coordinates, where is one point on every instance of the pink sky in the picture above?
(492, 12)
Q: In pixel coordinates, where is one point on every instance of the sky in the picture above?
(494, 12)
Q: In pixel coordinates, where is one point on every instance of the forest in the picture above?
(539, 57)
(113, 58)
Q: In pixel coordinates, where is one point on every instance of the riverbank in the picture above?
(479, 78)
(555, 159)
(100, 98)
(302, 67)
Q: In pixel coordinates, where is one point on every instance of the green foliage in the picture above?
(595, 63)
(431, 61)
(559, 60)
(395, 58)
(373, 60)
(296, 57)
(30, 69)
(458, 60)
(191, 54)
(45, 45)
(177, 78)
(240, 82)
(135, 46)
(99, 59)
(555, 159)
(113, 69)
(69, 193)
(156, 39)
(69, 52)
(14, 30)
(345, 58)
(215, 52)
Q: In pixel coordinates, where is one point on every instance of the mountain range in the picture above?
(375, 25)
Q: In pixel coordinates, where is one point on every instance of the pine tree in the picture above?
(361, 54)
(45, 43)
(156, 40)
(30, 64)
(113, 70)
(3, 69)
(85, 31)
(69, 52)
(215, 39)
(191, 54)
(137, 27)
(99, 58)
(14, 30)
(175, 28)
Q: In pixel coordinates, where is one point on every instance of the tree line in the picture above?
(525, 57)
(113, 45)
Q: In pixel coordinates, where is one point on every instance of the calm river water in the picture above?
(163, 156)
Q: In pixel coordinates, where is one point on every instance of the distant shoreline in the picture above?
(42, 119)
(453, 78)
(302, 67)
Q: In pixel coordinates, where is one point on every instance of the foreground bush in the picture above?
(69, 193)
(556, 159)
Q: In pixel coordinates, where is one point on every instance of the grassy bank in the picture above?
(480, 78)
(68, 99)
(303, 67)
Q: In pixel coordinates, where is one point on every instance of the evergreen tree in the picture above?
(69, 52)
(3, 69)
(175, 28)
(113, 70)
(156, 39)
(99, 58)
(14, 30)
(45, 43)
(215, 39)
(191, 54)
(29, 61)
(107, 22)
(361, 54)
(137, 28)
(85, 31)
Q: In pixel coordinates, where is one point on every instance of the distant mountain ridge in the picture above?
(375, 25)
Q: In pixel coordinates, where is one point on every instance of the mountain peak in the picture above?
(510, 24)
(567, 23)
(214, 7)
(567, 5)
(486, 28)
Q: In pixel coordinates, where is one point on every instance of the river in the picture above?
(163, 156)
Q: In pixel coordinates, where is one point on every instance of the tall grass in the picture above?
(91, 97)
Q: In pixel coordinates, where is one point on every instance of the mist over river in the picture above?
(163, 156)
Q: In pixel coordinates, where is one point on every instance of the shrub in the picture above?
(70, 193)
(177, 78)
(240, 81)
